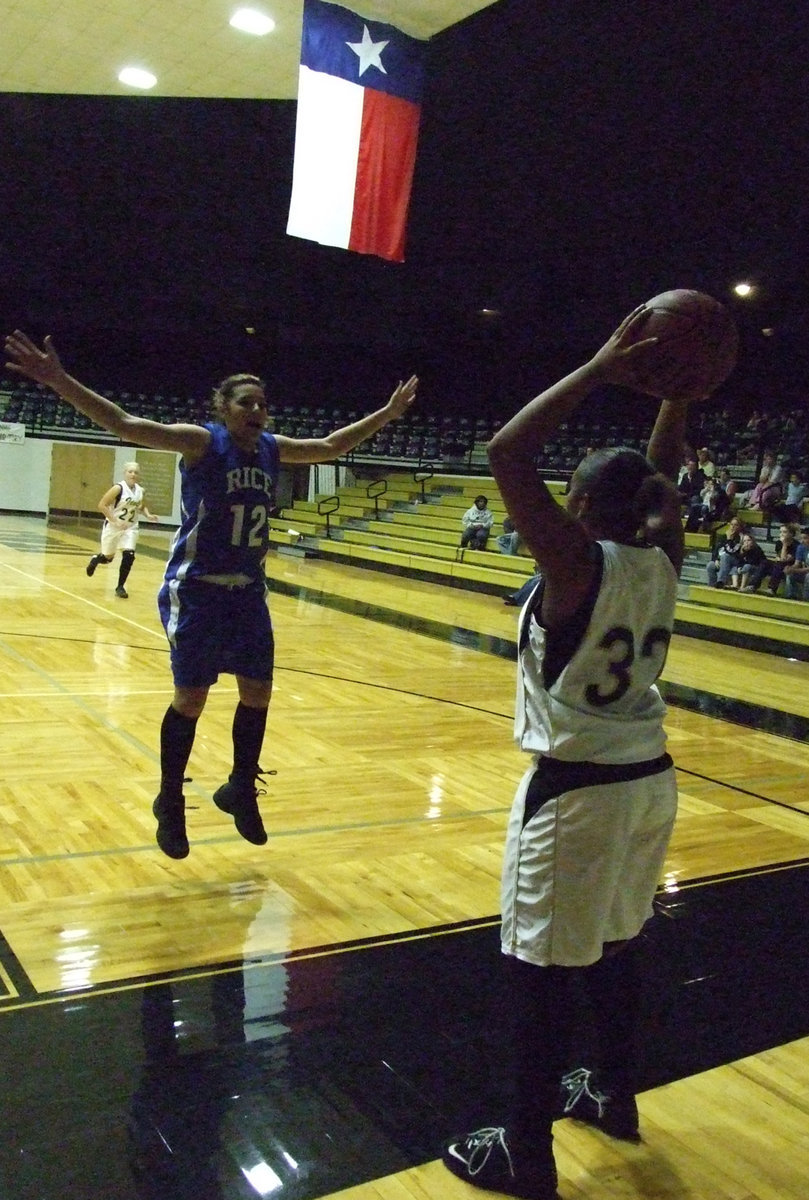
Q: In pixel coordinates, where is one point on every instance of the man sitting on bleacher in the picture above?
(477, 522)
(796, 586)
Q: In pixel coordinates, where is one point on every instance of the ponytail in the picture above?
(615, 480)
(656, 505)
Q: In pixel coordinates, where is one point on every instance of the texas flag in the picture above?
(359, 100)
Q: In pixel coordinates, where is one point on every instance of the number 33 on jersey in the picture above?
(602, 705)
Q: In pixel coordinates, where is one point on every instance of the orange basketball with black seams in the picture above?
(697, 348)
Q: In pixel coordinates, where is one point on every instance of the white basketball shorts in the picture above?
(114, 538)
(584, 856)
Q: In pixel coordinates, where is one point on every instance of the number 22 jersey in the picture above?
(602, 705)
(226, 501)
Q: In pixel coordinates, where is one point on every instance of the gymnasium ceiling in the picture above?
(79, 46)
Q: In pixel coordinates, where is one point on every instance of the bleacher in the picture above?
(414, 526)
(426, 471)
(44, 415)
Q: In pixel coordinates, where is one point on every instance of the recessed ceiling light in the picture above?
(251, 21)
(137, 77)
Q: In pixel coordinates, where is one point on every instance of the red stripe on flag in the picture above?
(387, 155)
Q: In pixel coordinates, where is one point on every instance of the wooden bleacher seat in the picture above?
(401, 531)
(756, 615)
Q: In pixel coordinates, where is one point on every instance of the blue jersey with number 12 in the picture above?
(226, 501)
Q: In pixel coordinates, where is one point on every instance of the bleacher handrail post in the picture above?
(421, 475)
(326, 512)
(383, 487)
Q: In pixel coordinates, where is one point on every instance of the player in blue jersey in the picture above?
(212, 601)
(593, 814)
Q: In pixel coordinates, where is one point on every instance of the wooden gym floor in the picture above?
(313, 1017)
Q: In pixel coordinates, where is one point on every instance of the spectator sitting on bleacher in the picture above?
(784, 556)
(705, 463)
(728, 485)
(477, 523)
(767, 492)
(690, 486)
(509, 541)
(726, 555)
(796, 576)
(712, 509)
(752, 559)
(518, 598)
(792, 508)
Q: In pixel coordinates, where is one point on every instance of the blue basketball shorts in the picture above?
(215, 630)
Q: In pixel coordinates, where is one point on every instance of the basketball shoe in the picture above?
(171, 835)
(485, 1159)
(92, 564)
(239, 798)
(586, 1097)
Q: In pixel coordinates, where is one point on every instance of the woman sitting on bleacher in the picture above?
(767, 492)
(726, 555)
(751, 567)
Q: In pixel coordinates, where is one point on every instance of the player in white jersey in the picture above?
(122, 505)
(592, 816)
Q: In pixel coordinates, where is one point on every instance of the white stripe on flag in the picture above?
(327, 138)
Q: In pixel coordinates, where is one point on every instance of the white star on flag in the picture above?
(368, 52)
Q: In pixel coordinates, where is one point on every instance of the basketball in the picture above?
(697, 347)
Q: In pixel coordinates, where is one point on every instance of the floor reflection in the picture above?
(300, 1078)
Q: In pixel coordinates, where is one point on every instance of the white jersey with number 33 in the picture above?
(604, 706)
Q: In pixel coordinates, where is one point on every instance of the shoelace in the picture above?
(480, 1145)
(260, 773)
(577, 1084)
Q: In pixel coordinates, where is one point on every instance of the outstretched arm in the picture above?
(340, 441)
(557, 540)
(45, 367)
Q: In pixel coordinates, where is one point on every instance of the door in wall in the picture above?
(80, 475)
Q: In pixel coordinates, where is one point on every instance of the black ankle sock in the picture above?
(176, 739)
(249, 725)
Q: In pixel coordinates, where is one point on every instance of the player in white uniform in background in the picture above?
(122, 506)
(592, 817)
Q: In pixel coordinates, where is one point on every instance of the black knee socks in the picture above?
(555, 1009)
(613, 987)
(127, 559)
(249, 725)
(541, 1012)
(176, 739)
